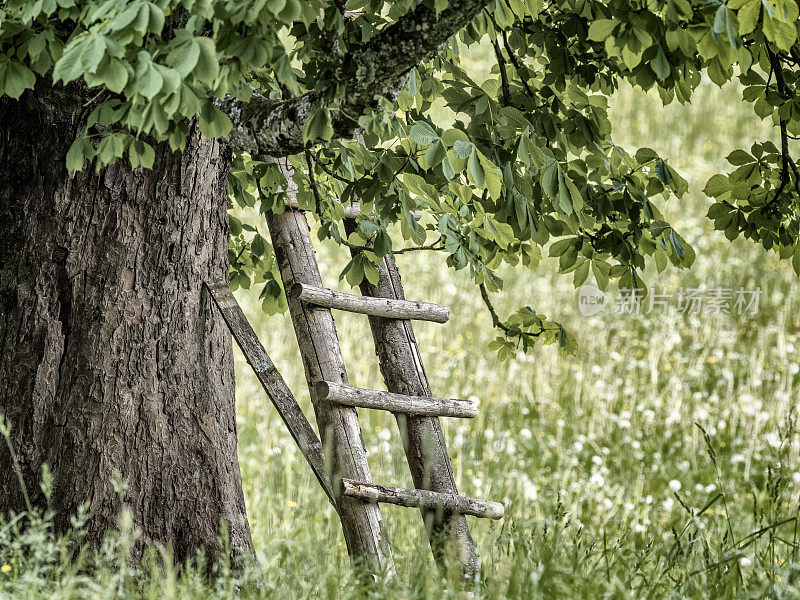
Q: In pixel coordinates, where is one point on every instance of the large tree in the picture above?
(130, 128)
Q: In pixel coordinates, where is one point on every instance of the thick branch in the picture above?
(265, 127)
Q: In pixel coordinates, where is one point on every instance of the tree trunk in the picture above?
(111, 357)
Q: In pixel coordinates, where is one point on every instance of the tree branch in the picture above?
(492, 312)
(265, 127)
(501, 64)
(434, 246)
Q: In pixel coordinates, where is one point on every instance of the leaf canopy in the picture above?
(527, 167)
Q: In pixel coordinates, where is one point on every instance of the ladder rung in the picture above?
(388, 308)
(396, 403)
(372, 492)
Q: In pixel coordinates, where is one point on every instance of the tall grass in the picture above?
(659, 461)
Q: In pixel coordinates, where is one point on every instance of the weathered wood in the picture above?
(272, 382)
(398, 403)
(423, 439)
(388, 308)
(437, 501)
(322, 360)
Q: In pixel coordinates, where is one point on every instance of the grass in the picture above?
(658, 462)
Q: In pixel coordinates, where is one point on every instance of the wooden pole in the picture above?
(388, 308)
(322, 359)
(410, 405)
(435, 501)
(423, 440)
(272, 382)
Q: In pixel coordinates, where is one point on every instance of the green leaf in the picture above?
(463, 149)
(213, 122)
(435, 154)
(549, 178)
(492, 176)
(662, 172)
(141, 153)
(725, 23)
(354, 271)
(184, 58)
(747, 14)
(110, 148)
(631, 57)
(115, 75)
(673, 238)
(148, 79)
(782, 33)
(92, 53)
(80, 150)
(234, 224)
(661, 258)
(716, 186)
(422, 133)
(660, 65)
(601, 29)
(601, 272)
(15, 78)
(276, 6)
(258, 245)
(69, 67)
(156, 20)
(318, 125)
(515, 117)
(476, 171)
(439, 5)
(291, 11)
(645, 155)
(561, 246)
(740, 157)
(207, 68)
(382, 244)
(447, 168)
(126, 17)
(371, 273)
(581, 273)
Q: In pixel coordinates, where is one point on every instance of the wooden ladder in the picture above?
(345, 475)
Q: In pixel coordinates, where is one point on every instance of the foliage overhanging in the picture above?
(528, 164)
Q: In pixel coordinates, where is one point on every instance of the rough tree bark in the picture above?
(111, 357)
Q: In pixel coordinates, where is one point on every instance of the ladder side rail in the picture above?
(423, 439)
(322, 360)
(273, 383)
